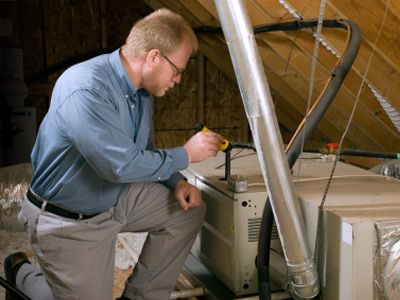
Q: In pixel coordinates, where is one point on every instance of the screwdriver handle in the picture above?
(224, 147)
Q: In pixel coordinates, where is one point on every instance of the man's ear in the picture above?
(153, 57)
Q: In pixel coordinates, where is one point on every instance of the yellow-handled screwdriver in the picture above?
(224, 147)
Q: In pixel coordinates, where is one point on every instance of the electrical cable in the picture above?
(235, 156)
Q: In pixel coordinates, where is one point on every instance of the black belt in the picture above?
(55, 209)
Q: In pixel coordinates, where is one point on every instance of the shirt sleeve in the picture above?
(173, 180)
(176, 177)
(92, 125)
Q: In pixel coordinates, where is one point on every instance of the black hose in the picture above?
(296, 25)
(339, 73)
(282, 26)
(243, 146)
(355, 152)
(263, 257)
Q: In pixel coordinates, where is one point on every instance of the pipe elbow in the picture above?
(305, 284)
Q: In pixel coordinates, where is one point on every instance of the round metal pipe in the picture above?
(261, 115)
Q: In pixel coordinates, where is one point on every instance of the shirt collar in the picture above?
(122, 76)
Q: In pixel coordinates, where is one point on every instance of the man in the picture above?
(97, 173)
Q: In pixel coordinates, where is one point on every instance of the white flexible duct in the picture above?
(391, 112)
(263, 123)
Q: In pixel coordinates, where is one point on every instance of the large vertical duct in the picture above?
(261, 115)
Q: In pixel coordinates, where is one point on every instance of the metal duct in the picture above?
(387, 259)
(261, 115)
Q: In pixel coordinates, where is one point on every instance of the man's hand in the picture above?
(203, 145)
(187, 195)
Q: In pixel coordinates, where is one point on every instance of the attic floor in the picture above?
(11, 242)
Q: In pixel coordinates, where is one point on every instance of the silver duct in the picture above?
(261, 115)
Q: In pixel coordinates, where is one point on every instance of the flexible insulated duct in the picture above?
(264, 126)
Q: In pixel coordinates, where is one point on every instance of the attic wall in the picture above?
(64, 31)
(221, 109)
(57, 32)
(61, 31)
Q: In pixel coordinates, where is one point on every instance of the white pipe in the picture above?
(261, 115)
(198, 291)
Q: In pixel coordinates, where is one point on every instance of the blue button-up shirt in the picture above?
(97, 138)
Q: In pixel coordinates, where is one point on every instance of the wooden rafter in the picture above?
(287, 59)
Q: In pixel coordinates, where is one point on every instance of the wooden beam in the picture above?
(335, 113)
(259, 15)
(219, 61)
(352, 84)
(300, 59)
(369, 14)
(394, 7)
(200, 87)
(201, 11)
(385, 66)
(218, 53)
(177, 7)
(298, 75)
(341, 107)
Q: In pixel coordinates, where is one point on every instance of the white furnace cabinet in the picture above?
(359, 242)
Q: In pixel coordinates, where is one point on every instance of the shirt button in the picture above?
(159, 178)
(133, 105)
(126, 96)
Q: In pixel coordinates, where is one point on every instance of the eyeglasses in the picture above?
(177, 71)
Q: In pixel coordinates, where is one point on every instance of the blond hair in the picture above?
(163, 29)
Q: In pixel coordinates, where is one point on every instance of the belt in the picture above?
(55, 209)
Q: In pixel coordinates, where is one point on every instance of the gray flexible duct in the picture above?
(261, 115)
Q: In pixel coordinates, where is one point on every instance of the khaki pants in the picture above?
(77, 256)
